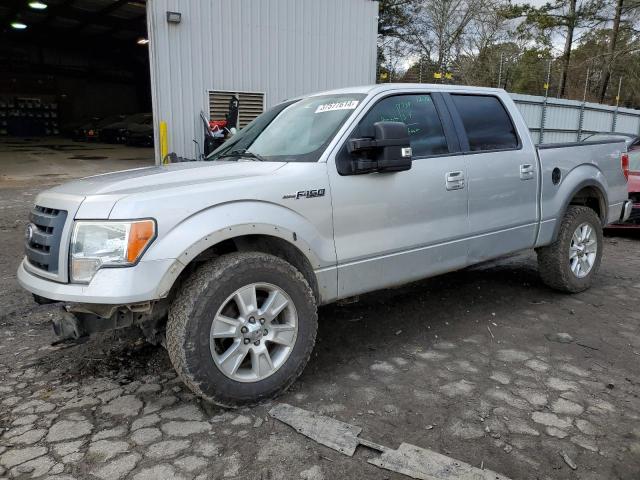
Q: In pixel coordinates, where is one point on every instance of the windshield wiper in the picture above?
(243, 153)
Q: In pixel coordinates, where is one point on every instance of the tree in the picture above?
(393, 17)
(623, 14)
(563, 17)
(393, 20)
(438, 27)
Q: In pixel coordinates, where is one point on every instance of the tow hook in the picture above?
(66, 327)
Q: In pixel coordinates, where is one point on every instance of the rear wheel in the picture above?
(242, 328)
(571, 262)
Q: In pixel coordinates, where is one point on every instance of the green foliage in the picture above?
(515, 43)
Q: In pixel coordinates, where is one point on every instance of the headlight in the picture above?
(108, 244)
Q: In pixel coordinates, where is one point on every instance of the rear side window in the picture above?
(419, 114)
(486, 122)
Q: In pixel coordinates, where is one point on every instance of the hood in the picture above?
(165, 177)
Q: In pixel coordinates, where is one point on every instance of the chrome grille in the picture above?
(43, 236)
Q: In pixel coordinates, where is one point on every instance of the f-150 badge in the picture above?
(306, 194)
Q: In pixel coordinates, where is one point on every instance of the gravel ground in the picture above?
(470, 364)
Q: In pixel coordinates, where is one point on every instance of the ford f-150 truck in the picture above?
(320, 198)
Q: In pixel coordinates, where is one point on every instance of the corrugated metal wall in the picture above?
(283, 48)
(562, 118)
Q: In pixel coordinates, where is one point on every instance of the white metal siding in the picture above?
(283, 48)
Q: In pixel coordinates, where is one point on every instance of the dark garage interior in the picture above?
(71, 67)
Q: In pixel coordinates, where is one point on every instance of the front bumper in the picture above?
(146, 281)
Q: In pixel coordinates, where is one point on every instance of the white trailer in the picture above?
(203, 51)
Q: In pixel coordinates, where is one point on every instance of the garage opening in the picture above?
(75, 82)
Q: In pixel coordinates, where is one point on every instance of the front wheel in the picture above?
(242, 328)
(571, 262)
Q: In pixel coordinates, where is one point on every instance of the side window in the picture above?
(486, 122)
(420, 115)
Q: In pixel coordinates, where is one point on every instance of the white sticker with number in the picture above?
(332, 107)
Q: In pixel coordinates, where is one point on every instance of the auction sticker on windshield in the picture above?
(331, 107)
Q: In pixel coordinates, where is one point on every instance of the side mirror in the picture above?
(388, 151)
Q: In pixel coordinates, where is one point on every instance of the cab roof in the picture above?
(390, 87)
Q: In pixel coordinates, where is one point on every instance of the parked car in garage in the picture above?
(72, 129)
(140, 134)
(93, 132)
(633, 152)
(117, 132)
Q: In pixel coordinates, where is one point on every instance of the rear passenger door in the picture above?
(502, 176)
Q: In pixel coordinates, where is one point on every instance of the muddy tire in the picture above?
(570, 263)
(241, 329)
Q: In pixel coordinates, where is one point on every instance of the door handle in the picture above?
(455, 180)
(527, 171)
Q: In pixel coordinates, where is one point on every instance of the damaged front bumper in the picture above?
(77, 321)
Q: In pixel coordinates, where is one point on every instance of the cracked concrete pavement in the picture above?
(469, 365)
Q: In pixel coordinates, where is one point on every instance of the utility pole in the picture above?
(389, 64)
(500, 71)
(420, 78)
(584, 101)
(543, 116)
(615, 112)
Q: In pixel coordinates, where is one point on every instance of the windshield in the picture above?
(291, 132)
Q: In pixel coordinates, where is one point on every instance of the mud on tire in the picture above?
(192, 313)
(554, 260)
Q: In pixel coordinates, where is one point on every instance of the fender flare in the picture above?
(604, 202)
(209, 227)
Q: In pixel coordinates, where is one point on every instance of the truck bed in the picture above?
(566, 168)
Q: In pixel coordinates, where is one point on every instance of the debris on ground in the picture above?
(559, 337)
(410, 460)
(568, 460)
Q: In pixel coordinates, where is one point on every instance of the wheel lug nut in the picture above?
(262, 321)
(256, 343)
(252, 320)
(244, 329)
(266, 332)
(246, 341)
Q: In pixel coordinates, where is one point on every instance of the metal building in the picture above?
(202, 51)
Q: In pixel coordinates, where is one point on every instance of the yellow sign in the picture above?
(448, 76)
(546, 86)
(383, 75)
(437, 75)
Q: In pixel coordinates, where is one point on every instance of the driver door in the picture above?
(392, 228)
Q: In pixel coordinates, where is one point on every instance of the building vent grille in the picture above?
(251, 105)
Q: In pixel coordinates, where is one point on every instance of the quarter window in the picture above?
(419, 114)
(486, 122)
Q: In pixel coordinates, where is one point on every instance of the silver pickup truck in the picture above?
(320, 198)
